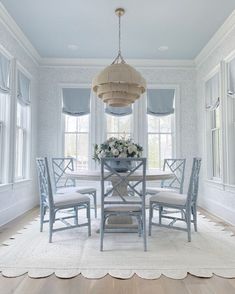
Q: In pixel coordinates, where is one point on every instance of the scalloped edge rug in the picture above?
(73, 253)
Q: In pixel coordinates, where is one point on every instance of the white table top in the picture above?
(95, 175)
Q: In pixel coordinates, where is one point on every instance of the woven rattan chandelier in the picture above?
(119, 84)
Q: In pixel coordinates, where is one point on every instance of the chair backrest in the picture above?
(44, 181)
(177, 167)
(194, 181)
(133, 177)
(61, 165)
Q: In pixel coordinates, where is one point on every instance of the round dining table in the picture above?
(117, 223)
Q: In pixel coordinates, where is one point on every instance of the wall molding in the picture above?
(95, 62)
(18, 34)
(216, 40)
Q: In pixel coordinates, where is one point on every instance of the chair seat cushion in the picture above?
(154, 190)
(81, 190)
(61, 200)
(122, 208)
(169, 198)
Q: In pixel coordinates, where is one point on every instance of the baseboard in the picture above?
(10, 213)
(218, 209)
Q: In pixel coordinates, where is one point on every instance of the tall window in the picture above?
(160, 124)
(119, 126)
(214, 126)
(22, 137)
(76, 109)
(160, 139)
(76, 139)
(4, 98)
(4, 116)
(231, 121)
(21, 140)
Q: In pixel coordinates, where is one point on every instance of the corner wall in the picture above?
(17, 198)
(216, 198)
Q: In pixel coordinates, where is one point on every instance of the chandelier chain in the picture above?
(119, 36)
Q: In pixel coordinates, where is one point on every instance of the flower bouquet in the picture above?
(118, 148)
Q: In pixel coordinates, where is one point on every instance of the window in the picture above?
(160, 139)
(160, 125)
(4, 129)
(4, 116)
(22, 133)
(119, 126)
(76, 139)
(231, 121)
(213, 127)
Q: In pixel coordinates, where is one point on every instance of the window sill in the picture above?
(229, 188)
(215, 183)
(22, 182)
(5, 187)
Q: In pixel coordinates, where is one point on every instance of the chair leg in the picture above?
(95, 204)
(144, 231)
(160, 215)
(150, 217)
(102, 232)
(51, 222)
(76, 216)
(42, 214)
(194, 212)
(89, 219)
(139, 226)
(188, 220)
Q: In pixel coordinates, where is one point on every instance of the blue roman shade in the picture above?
(231, 81)
(76, 101)
(160, 102)
(212, 93)
(118, 111)
(23, 90)
(4, 74)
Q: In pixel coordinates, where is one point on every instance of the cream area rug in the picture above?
(212, 251)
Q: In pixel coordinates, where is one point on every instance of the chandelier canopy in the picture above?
(119, 84)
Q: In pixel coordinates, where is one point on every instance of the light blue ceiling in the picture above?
(185, 26)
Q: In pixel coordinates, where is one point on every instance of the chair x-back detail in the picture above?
(124, 205)
(63, 165)
(185, 203)
(59, 202)
(177, 167)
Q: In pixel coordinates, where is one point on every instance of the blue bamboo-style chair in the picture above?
(176, 184)
(186, 203)
(55, 203)
(60, 166)
(123, 205)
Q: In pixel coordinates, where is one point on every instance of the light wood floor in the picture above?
(135, 285)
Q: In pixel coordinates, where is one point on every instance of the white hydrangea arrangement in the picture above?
(118, 148)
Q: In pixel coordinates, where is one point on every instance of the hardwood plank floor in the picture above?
(135, 285)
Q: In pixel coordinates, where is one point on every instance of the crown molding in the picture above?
(216, 40)
(18, 34)
(95, 62)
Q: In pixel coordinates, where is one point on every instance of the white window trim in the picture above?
(5, 150)
(207, 134)
(176, 138)
(139, 121)
(27, 166)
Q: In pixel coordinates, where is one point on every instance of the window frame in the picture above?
(210, 129)
(5, 150)
(27, 137)
(61, 135)
(98, 127)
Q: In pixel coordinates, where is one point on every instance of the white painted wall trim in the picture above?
(18, 34)
(216, 40)
(99, 63)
